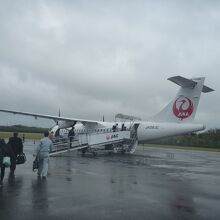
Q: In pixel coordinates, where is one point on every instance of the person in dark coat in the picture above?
(5, 151)
(2, 154)
(71, 135)
(17, 146)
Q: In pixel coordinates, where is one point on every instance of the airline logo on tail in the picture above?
(182, 107)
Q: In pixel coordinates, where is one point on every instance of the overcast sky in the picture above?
(95, 58)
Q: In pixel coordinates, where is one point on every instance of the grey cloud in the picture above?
(91, 58)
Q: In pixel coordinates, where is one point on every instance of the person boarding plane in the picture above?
(175, 119)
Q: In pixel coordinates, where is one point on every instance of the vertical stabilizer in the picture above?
(184, 106)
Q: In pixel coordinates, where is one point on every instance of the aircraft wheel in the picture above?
(83, 152)
(123, 151)
(94, 153)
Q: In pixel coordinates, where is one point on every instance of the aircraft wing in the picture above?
(55, 118)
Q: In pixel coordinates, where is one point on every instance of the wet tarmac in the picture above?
(154, 183)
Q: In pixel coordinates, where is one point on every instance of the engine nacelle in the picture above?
(57, 129)
(65, 124)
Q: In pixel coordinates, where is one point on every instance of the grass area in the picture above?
(27, 135)
(39, 136)
(212, 149)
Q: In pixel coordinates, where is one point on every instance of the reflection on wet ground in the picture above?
(154, 183)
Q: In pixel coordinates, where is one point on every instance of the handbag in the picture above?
(6, 161)
(21, 158)
(36, 164)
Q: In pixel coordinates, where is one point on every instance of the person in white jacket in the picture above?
(43, 150)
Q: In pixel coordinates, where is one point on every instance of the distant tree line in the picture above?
(21, 128)
(210, 138)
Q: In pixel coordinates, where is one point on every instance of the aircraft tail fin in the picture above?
(184, 106)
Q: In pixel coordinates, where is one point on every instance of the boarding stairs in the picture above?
(112, 141)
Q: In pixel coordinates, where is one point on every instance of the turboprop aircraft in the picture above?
(175, 119)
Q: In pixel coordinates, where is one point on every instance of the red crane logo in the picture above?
(108, 137)
(182, 107)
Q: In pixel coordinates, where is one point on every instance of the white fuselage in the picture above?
(146, 130)
(151, 130)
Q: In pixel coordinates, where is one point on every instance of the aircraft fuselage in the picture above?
(146, 130)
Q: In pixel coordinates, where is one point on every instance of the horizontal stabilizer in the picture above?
(188, 83)
(183, 82)
(206, 89)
